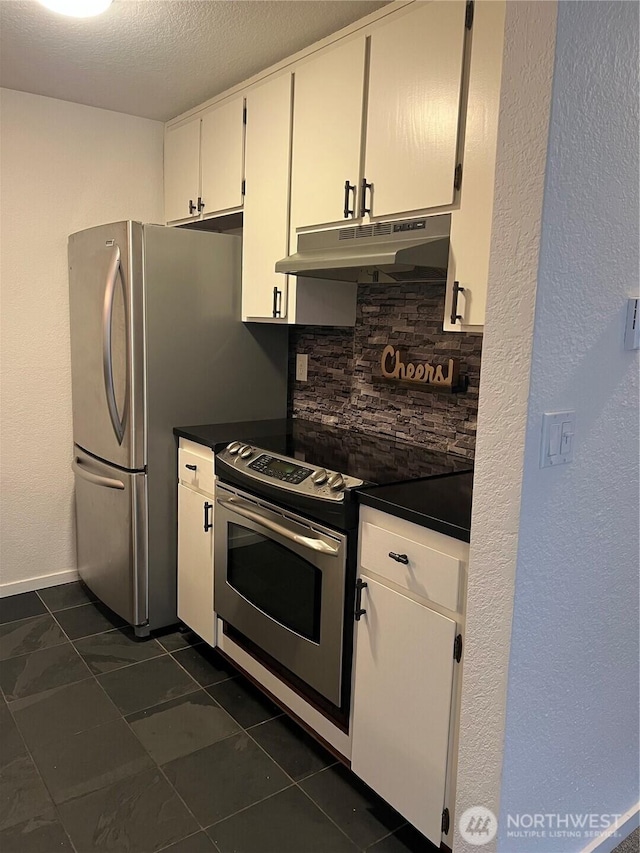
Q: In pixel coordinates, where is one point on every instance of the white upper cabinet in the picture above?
(415, 80)
(396, 117)
(266, 204)
(182, 170)
(471, 223)
(221, 153)
(203, 163)
(327, 132)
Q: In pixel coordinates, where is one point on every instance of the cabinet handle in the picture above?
(363, 197)
(207, 523)
(192, 206)
(200, 205)
(399, 558)
(360, 585)
(191, 467)
(347, 189)
(277, 302)
(454, 303)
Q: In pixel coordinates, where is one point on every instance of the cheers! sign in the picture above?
(425, 373)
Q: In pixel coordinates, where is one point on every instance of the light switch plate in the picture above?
(558, 438)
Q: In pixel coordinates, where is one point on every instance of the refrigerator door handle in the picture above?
(96, 479)
(115, 269)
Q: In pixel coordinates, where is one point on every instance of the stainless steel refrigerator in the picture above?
(156, 342)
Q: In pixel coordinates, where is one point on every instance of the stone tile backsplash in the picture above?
(340, 388)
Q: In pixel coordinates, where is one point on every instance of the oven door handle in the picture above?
(246, 511)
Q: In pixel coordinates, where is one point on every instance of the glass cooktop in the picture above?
(374, 459)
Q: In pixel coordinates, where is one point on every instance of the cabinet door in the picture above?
(402, 704)
(266, 203)
(195, 563)
(413, 108)
(181, 169)
(222, 157)
(327, 128)
(471, 224)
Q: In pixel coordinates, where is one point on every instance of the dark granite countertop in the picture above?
(440, 503)
(215, 435)
(434, 489)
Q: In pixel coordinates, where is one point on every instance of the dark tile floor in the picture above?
(109, 744)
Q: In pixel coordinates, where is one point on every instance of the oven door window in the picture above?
(276, 580)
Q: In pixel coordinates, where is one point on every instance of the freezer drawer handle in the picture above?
(242, 509)
(96, 479)
(115, 268)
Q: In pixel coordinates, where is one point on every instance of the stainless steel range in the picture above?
(285, 547)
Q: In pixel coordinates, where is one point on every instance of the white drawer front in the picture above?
(428, 573)
(196, 469)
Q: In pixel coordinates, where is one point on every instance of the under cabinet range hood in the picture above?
(412, 250)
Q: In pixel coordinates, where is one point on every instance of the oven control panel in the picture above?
(284, 472)
(288, 472)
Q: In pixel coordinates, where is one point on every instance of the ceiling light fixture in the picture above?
(77, 8)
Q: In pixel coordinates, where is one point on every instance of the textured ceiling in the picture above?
(158, 58)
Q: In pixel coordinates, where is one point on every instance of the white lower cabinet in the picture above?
(406, 667)
(402, 704)
(195, 548)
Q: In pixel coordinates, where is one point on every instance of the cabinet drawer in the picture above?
(428, 573)
(200, 477)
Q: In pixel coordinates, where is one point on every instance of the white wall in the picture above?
(572, 706)
(502, 414)
(63, 167)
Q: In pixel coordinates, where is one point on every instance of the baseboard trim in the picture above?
(38, 583)
(616, 833)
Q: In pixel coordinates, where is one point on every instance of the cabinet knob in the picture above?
(200, 205)
(192, 207)
(399, 558)
(191, 467)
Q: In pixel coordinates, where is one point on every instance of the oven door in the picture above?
(280, 581)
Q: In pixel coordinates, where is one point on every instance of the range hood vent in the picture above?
(413, 250)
